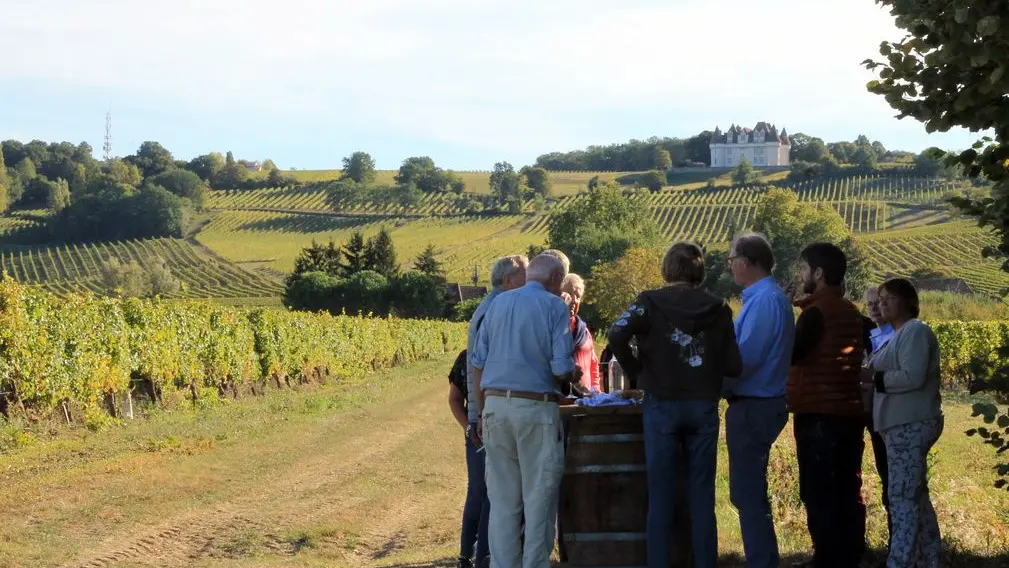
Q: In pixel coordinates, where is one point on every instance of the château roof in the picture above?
(739, 134)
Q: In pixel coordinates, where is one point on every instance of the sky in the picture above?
(467, 82)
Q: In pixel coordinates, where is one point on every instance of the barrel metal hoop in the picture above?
(617, 468)
(604, 536)
(605, 438)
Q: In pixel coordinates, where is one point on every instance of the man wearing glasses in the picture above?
(765, 331)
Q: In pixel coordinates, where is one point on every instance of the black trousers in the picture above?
(829, 451)
(879, 455)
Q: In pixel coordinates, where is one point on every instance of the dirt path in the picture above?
(370, 485)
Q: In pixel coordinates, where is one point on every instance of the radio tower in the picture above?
(107, 147)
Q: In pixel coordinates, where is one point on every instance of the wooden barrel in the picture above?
(604, 495)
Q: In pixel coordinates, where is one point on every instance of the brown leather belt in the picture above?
(540, 396)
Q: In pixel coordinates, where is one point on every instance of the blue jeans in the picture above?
(751, 427)
(667, 423)
(476, 512)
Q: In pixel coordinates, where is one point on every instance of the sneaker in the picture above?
(464, 563)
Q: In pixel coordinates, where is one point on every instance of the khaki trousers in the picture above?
(524, 441)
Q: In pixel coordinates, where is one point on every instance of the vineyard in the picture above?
(74, 354)
(64, 269)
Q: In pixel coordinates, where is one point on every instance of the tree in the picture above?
(269, 166)
(864, 158)
(380, 254)
(123, 172)
(15, 186)
(662, 160)
(208, 166)
(862, 140)
(314, 291)
(155, 212)
(505, 183)
(232, 176)
(152, 158)
(318, 258)
(808, 149)
(615, 284)
(803, 171)
(455, 183)
(366, 292)
(37, 192)
(698, 148)
(842, 151)
(160, 279)
(653, 180)
(359, 167)
(427, 263)
(183, 183)
(538, 180)
(744, 173)
(950, 71)
(416, 294)
(601, 226)
(790, 225)
(932, 162)
(344, 194)
(879, 149)
(124, 279)
(427, 177)
(355, 254)
(26, 169)
(59, 196)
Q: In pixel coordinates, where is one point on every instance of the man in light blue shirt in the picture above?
(765, 331)
(508, 273)
(523, 348)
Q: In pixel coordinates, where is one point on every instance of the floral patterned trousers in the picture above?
(915, 538)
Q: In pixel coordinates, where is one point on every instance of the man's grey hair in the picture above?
(755, 249)
(505, 267)
(561, 257)
(544, 268)
(574, 285)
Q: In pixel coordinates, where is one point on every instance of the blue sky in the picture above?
(467, 82)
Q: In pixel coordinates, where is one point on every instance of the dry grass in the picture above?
(369, 474)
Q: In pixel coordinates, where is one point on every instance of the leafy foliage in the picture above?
(744, 173)
(79, 351)
(790, 225)
(653, 180)
(615, 284)
(360, 167)
(601, 227)
(427, 263)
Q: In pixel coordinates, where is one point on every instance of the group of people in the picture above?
(837, 372)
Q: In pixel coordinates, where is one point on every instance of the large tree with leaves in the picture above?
(360, 167)
(600, 226)
(950, 70)
(380, 254)
(427, 262)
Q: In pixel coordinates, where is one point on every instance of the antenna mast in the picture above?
(107, 147)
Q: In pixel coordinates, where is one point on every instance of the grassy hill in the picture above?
(63, 269)
(249, 237)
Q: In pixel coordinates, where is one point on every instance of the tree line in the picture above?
(419, 175)
(146, 194)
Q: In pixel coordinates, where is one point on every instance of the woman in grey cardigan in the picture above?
(907, 412)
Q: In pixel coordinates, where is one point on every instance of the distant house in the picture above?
(762, 146)
(460, 292)
(251, 166)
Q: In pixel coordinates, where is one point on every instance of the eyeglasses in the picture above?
(731, 259)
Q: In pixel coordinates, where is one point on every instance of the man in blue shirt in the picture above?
(522, 349)
(765, 331)
(508, 273)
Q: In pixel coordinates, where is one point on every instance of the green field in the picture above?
(250, 237)
(67, 268)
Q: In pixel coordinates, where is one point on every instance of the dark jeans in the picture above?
(476, 512)
(879, 454)
(666, 424)
(751, 427)
(829, 451)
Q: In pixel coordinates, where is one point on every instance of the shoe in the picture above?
(485, 563)
(464, 563)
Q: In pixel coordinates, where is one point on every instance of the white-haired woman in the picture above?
(585, 348)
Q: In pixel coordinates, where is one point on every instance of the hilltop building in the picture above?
(762, 146)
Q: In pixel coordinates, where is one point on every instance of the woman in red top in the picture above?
(585, 349)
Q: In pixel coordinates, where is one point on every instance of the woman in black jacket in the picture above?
(686, 345)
